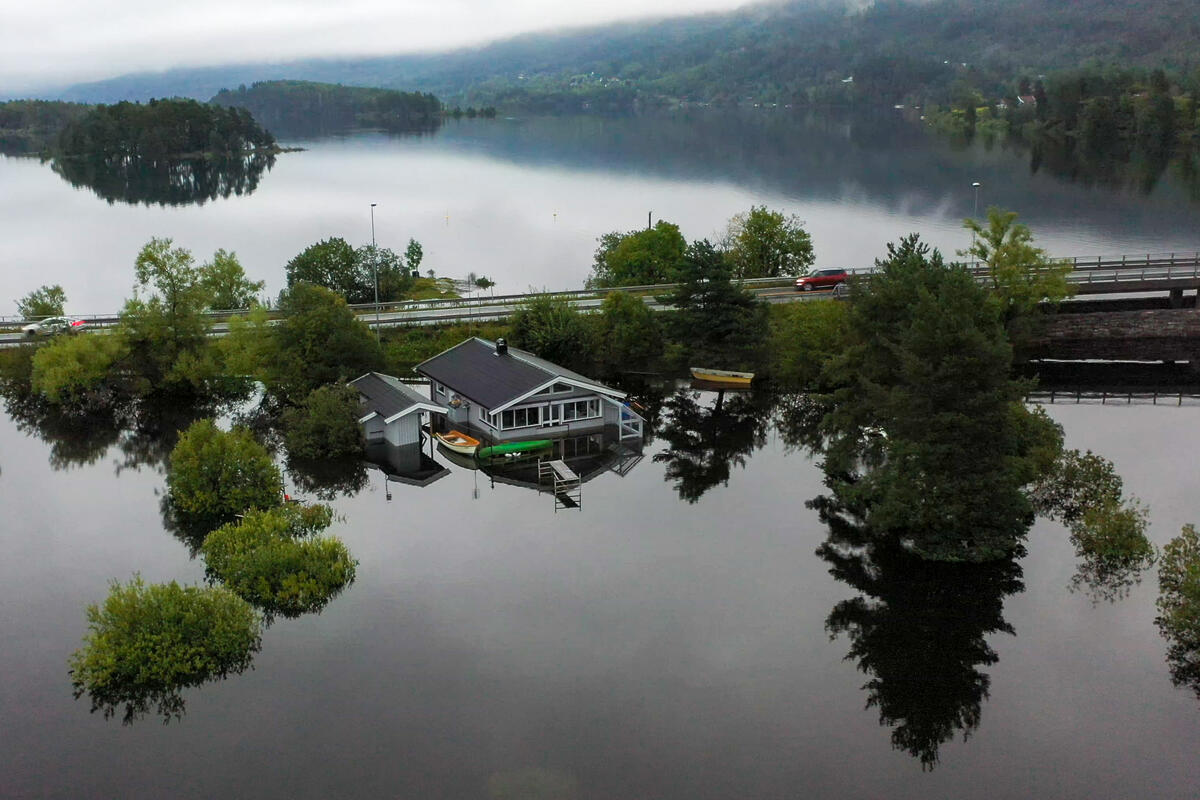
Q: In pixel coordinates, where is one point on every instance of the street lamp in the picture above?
(975, 185)
(375, 270)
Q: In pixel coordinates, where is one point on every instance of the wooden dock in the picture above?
(566, 486)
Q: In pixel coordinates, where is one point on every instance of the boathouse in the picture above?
(504, 394)
(391, 411)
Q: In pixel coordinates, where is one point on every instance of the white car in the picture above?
(51, 326)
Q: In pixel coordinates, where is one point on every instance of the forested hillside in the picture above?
(300, 106)
(784, 52)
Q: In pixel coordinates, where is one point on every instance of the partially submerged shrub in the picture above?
(146, 643)
(216, 474)
(1114, 531)
(275, 560)
(325, 425)
(1179, 606)
(1077, 482)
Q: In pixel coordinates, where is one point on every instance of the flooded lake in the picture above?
(641, 646)
(524, 200)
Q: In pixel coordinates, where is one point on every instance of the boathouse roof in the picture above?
(496, 377)
(387, 397)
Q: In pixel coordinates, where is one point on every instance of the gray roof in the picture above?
(387, 396)
(473, 369)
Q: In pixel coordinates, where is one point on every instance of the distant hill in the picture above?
(781, 52)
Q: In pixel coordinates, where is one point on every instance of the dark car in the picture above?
(821, 279)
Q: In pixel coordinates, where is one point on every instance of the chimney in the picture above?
(501, 347)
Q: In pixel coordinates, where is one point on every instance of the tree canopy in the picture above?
(926, 369)
(216, 474)
(639, 258)
(351, 272)
(145, 643)
(46, 301)
(763, 243)
(162, 129)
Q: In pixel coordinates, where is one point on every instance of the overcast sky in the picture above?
(47, 42)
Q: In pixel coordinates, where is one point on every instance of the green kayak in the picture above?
(512, 449)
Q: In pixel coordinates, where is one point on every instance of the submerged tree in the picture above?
(1179, 607)
(325, 425)
(928, 433)
(275, 560)
(215, 474)
(319, 341)
(147, 643)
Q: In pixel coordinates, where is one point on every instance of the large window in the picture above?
(521, 417)
(580, 409)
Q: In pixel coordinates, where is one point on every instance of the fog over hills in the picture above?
(777, 52)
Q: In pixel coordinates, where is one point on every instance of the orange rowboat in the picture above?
(458, 442)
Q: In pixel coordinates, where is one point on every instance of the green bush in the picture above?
(325, 425)
(1179, 606)
(275, 560)
(1077, 482)
(628, 335)
(1114, 531)
(146, 643)
(803, 338)
(216, 474)
(549, 327)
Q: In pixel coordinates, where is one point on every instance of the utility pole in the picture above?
(375, 271)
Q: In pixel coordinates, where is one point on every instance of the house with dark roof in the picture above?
(504, 394)
(390, 410)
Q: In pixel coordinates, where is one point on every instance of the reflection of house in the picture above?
(587, 455)
(505, 394)
(391, 411)
(404, 463)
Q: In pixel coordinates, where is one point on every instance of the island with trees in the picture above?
(305, 107)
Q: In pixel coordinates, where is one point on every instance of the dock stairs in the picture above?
(565, 484)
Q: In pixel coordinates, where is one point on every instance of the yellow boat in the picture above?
(458, 442)
(722, 376)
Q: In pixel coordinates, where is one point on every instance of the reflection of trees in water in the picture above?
(328, 479)
(1122, 169)
(172, 182)
(703, 444)
(143, 429)
(918, 629)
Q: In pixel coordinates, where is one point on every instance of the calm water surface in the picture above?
(523, 200)
(640, 647)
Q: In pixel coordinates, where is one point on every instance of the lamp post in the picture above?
(975, 185)
(375, 270)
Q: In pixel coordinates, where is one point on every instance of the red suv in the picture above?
(821, 279)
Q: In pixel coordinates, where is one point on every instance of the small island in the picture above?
(163, 129)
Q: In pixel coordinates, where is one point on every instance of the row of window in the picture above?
(552, 414)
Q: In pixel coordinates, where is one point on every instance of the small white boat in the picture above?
(458, 442)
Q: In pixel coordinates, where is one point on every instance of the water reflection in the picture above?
(918, 629)
(328, 480)
(169, 182)
(704, 442)
(144, 430)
